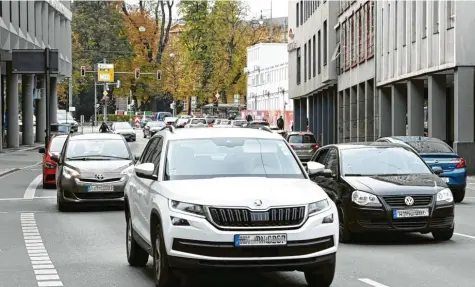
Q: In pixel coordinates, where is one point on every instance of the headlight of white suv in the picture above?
(365, 199)
(69, 172)
(445, 195)
(188, 208)
(317, 207)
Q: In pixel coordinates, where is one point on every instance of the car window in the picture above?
(57, 144)
(430, 147)
(198, 121)
(157, 154)
(305, 138)
(331, 161)
(109, 149)
(239, 123)
(148, 151)
(320, 156)
(230, 157)
(381, 161)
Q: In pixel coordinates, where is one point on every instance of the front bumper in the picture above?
(202, 245)
(76, 191)
(369, 219)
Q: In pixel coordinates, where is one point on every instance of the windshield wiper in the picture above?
(358, 174)
(97, 157)
(109, 156)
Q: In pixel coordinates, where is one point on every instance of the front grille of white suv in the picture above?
(271, 218)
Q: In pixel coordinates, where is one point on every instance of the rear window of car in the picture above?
(430, 147)
(198, 121)
(239, 123)
(306, 138)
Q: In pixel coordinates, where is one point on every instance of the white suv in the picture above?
(228, 198)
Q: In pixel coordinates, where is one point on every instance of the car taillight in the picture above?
(461, 163)
(292, 146)
(315, 146)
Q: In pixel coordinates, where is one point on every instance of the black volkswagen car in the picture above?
(385, 187)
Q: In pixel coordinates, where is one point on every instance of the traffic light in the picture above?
(216, 102)
(159, 75)
(137, 73)
(83, 71)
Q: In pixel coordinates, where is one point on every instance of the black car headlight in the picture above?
(445, 196)
(365, 199)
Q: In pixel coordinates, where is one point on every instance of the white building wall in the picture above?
(267, 78)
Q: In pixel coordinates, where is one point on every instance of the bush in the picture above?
(117, 118)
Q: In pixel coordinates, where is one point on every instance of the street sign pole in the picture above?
(95, 103)
(47, 97)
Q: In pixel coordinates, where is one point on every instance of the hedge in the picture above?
(117, 118)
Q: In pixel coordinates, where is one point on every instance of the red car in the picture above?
(49, 167)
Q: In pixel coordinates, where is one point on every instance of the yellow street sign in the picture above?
(105, 73)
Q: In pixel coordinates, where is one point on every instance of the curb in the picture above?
(6, 151)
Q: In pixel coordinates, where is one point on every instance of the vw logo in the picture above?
(409, 200)
(99, 176)
(258, 202)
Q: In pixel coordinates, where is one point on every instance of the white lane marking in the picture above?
(45, 273)
(31, 189)
(372, 282)
(465, 235)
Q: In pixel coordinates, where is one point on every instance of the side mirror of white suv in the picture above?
(145, 170)
(314, 167)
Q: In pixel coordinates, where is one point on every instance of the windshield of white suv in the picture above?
(230, 157)
(384, 161)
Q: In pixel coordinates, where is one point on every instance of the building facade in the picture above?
(267, 83)
(312, 74)
(32, 25)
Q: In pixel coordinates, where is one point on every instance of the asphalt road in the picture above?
(87, 247)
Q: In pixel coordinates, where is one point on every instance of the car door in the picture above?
(141, 185)
(320, 158)
(153, 185)
(332, 184)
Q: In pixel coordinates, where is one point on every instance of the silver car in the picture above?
(124, 129)
(92, 168)
(197, 123)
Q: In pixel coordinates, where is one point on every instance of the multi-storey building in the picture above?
(425, 60)
(32, 25)
(356, 69)
(312, 74)
(267, 82)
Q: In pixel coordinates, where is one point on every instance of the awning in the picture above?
(336, 53)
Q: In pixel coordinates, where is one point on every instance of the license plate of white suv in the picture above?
(260, 240)
(405, 213)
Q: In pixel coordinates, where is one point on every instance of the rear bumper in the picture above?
(49, 175)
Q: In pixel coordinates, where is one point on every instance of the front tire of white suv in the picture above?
(322, 277)
(163, 274)
(136, 255)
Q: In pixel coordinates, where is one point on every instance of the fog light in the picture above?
(179, 221)
(328, 219)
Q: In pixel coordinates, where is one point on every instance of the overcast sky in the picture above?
(279, 7)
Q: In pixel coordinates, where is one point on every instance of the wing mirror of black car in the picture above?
(145, 170)
(437, 170)
(55, 158)
(327, 173)
(41, 150)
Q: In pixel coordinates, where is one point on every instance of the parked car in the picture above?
(197, 123)
(228, 199)
(385, 187)
(304, 143)
(55, 146)
(437, 153)
(169, 121)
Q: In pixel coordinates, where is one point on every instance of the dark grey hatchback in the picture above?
(385, 187)
(92, 168)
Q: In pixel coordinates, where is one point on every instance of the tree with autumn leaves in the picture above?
(205, 55)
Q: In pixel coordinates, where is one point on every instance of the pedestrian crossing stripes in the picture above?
(45, 272)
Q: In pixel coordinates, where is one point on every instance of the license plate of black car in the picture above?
(408, 213)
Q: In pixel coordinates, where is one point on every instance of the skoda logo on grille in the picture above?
(409, 200)
(258, 202)
(99, 176)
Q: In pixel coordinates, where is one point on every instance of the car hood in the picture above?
(398, 185)
(156, 128)
(67, 122)
(125, 131)
(87, 167)
(244, 191)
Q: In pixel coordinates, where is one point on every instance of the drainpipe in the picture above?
(375, 89)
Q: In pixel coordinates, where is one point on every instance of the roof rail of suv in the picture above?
(170, 128)
(267, 129)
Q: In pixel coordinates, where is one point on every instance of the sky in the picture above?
(279, 7)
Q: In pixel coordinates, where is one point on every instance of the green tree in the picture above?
(98, 33)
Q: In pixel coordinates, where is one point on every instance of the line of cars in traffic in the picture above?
(251, 198)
